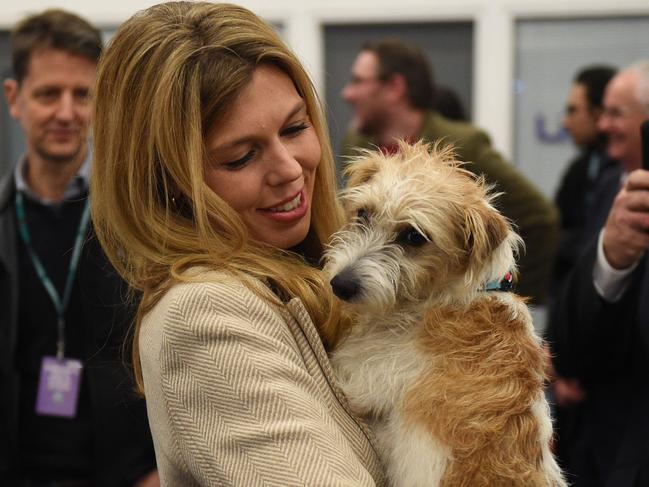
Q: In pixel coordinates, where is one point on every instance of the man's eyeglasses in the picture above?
(359, 80)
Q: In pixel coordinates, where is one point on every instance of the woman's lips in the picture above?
(293, 209)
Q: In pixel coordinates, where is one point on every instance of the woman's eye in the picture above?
(411, 237)
(239, 163)
(294, 129)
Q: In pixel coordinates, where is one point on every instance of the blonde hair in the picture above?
(167, 76)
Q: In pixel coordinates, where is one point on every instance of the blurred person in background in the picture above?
(392, 92)
(448, 104)
(600, 332)
(575, 199)
(68, 414)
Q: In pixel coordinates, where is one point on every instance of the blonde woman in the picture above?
(213, 191)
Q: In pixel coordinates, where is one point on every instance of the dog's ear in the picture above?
(485, 229)
(361, 169)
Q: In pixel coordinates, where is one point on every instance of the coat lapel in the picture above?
(7, 224)
(300, 316)
(643, 306)
(8, 264)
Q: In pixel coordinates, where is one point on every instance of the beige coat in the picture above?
(240, 392)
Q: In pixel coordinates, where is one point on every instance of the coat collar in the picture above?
(643, 305)
(7, 224)
(7, 189)
(433, 127)
(77, 186)
(299, 315)
(8, 266)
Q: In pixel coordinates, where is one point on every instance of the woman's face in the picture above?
(262, 159)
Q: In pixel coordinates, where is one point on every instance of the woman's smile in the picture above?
(295, 208)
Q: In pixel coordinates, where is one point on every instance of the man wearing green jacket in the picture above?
(391, 91)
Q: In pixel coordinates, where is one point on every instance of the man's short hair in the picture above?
(594, 79)
(449, 105)
(399, 57)
(53, 28)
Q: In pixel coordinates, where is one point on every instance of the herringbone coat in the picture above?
(240, 392)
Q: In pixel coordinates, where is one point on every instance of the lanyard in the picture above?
(60, 304)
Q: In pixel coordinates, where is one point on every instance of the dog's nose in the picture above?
(345, 286)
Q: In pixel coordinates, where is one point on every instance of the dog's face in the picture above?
(420, 228)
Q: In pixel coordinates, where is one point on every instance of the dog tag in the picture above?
(58, 387)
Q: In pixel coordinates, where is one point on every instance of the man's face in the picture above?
(365, 92)
(52, 104)
(580, 119)
(621, 120)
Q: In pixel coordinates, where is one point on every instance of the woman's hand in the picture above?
(152, 479)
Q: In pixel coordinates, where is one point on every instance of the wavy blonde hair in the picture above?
(166, 78)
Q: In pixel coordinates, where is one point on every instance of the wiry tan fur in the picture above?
(449, 375)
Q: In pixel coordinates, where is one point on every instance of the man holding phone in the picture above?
(602, 337)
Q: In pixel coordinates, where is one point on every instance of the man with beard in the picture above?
(68, 415)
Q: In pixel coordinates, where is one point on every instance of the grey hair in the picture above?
(641, 68)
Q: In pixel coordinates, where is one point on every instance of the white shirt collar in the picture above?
(77, 186)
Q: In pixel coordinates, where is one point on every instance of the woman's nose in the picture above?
(285, 166)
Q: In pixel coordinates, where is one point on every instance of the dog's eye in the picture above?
(362, 215)
(411, 237)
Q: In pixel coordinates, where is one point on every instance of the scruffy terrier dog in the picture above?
(448, 372)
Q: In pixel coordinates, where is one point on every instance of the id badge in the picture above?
(58, 387)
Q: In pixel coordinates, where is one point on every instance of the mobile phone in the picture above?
(644, 133)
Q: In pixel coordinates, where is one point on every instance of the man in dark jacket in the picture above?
(68, 413)
(576, 200)
(575, 195)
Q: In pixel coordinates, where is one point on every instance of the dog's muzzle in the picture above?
(345, 285)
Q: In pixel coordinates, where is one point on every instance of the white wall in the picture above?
(548, 55)
(494, 33)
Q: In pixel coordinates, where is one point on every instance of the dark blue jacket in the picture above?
(606, 347)
(122, 440)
